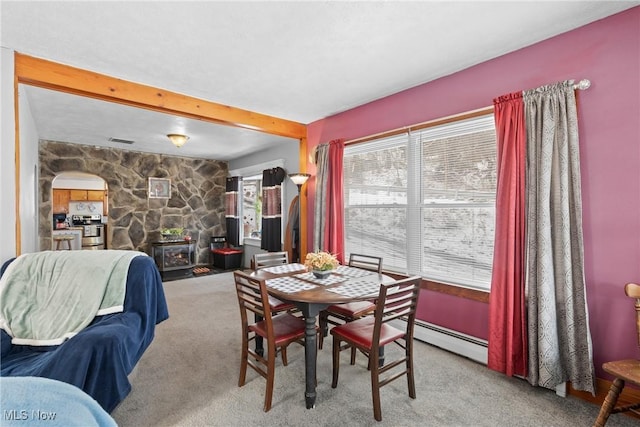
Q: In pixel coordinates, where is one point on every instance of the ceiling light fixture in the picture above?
(177, 139)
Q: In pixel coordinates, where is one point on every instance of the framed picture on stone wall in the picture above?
(159, 188)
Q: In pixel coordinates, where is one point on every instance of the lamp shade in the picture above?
(299, 178)
(177, 139)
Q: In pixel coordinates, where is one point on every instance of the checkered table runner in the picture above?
(285, 268)
(352, 272)
(332, 279)
(289, 284)
(357, 288)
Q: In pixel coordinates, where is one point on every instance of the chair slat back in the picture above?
(397, 299)
(268, 259)
(632, 290)
(252, 297)
(367, 262)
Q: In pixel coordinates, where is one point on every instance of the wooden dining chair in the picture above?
(368, 262)
(397, 300)
(624, 371)
(338, 314)
(278, 331)
(269, 259)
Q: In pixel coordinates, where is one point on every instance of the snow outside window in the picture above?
(425, 201)
(252, 207)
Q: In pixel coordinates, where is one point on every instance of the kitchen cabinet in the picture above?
(78, 195)
(61, 200)
(92, 195)
(95, 195)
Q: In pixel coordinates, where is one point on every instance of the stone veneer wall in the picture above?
(134, 220)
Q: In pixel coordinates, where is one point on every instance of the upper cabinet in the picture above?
(92, 195)
(77, 195)
(95, 195)
(61, 199)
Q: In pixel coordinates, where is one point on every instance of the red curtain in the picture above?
(507, 310)
(334, 216)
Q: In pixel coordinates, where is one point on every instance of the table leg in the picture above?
(310, 312)
(310, 354)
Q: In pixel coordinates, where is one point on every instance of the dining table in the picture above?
(310, 294)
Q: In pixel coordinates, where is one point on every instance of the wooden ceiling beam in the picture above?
(64, 78)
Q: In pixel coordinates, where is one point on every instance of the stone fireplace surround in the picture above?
(134, 220)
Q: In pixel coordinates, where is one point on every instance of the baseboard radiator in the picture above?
(462, 344)
(456, 342)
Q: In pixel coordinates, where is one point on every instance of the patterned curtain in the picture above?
(507, 312)
(329, 200)
(320, 207)
(559, 338)
(232, 214)
(272, 209)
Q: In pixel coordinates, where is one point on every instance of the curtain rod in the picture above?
(581, 85)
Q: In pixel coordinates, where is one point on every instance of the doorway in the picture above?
(80, 205)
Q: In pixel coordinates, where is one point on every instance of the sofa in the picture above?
(99, 357)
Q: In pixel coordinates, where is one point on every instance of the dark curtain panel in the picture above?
(232, 214)
(272, 209)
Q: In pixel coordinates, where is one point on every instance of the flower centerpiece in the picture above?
(321, 263)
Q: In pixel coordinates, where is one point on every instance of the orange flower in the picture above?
(321, 261)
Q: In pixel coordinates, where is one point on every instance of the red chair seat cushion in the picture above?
(226, 251)
(286, 327)
(352, 309)
(360, 332)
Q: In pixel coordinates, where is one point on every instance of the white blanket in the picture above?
(48, 297)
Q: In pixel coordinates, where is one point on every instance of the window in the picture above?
(425, 199)
(252, 207)
(250, 204)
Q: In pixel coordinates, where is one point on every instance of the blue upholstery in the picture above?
(99, 359)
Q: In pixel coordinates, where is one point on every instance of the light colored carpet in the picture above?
(189, 377)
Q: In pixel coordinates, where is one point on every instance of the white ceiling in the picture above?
(300, 61)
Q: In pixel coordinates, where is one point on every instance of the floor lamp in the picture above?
(299, 179)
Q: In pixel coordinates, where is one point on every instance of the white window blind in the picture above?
(425, 201)
(375, 177)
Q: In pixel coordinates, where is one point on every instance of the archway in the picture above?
(77, 194)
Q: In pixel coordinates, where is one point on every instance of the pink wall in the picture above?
(608, 53)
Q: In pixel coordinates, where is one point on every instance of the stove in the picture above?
(93, 219)
(92, 230)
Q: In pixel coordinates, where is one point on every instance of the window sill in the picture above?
(252, 241)
(458, 291)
